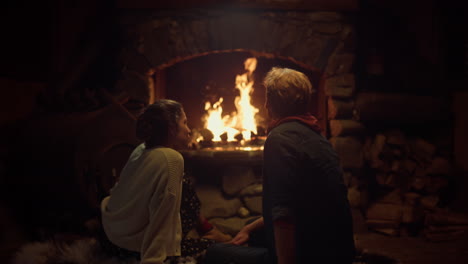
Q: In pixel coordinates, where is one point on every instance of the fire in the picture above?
(242, 121)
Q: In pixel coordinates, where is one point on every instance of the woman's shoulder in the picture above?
(168, 153)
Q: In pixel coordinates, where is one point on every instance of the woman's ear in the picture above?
(172, 131)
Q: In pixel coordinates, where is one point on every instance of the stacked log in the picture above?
(413, 176)
(407, 163)
(349, 150)
(443, 225)
(384, 217)
(408, 173)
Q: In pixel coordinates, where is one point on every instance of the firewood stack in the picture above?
(442, 225)
(397, 181)
(409, 179)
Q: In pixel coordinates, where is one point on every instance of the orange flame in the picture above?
(242, 121)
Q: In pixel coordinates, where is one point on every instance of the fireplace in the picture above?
(194, 56)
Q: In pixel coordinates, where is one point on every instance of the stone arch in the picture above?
(308, 38)
(319, 41)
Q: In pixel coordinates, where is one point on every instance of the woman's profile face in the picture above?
(182, 137)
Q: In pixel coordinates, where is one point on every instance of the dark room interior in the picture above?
(391, 94)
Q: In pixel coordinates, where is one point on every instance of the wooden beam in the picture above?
(311, 5)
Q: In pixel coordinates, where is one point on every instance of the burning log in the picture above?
(346, 127)
(207, 135)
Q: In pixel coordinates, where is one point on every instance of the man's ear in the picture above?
(268, 107)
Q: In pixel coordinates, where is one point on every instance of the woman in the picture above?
(143, 217)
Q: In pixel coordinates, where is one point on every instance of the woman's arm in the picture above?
(210, 231)
(163, 233)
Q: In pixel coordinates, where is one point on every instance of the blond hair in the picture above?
(288, 92)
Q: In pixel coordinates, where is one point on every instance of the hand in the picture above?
(241, 238)
(216, 235)
(244, 234)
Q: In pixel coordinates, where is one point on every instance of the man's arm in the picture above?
(243, 236)
(284, 241)
(281, 172)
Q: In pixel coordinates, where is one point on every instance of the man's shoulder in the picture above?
(283, 136)
(293, 129)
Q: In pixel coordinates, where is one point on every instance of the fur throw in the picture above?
(82, 251)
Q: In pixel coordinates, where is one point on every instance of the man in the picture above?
(305, 206)
(306, 214)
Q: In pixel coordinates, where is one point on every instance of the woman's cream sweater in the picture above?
(142, 212)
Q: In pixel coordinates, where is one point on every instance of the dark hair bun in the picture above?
(154, 124)
(144, 128)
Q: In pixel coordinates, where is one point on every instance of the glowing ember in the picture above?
(242, 121)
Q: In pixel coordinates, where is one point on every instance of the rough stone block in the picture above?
(137, 86)
(342, 86)
(254, 204)
(243, 212)
(340, 64)
(237, 178)
(254, 189)
(134, 61)
(213, 203)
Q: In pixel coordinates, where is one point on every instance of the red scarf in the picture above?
(307, 119)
